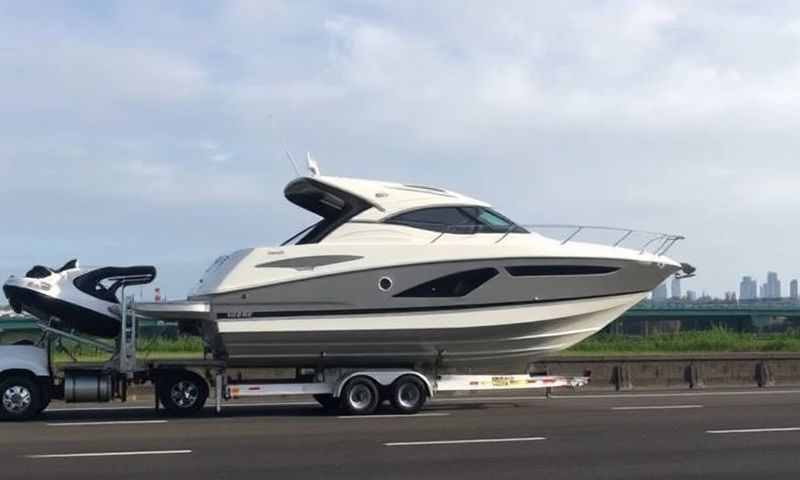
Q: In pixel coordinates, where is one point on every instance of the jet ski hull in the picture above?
(67, 316)
(73, 299)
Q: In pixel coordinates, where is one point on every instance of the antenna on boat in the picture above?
(285, 150)
(313, 166)
(294, 165)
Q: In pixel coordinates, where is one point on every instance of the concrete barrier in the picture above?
(680, 370)
(636, 372)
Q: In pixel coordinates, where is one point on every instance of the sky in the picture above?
(153, 132)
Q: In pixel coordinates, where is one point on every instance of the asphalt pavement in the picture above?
(704, 434)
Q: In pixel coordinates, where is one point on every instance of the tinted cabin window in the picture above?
(454, 285)
(463, 220)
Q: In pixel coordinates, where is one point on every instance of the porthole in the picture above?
(385, 284)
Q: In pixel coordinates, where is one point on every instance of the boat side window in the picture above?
(454, 285)
(463, 220)
(441, 219)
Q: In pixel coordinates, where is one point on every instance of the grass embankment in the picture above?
(159, 347)
(717, 339)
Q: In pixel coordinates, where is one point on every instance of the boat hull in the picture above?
(481, 337)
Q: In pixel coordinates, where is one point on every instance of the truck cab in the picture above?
(25, 381)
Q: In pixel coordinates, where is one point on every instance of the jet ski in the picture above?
(75, 299)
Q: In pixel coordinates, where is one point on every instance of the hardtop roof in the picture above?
(387, 198)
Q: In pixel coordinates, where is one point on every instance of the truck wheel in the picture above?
(359, 397)
(327, 401)
(19, 398)
(182, 393)
(408, 394)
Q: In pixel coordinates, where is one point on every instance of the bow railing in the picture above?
(657, 243)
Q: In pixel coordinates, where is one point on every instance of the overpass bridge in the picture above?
(648, 318)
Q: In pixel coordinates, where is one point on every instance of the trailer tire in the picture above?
(408, 395)
(360, 396)
(183, 393)
(20, 398)
(327, 401)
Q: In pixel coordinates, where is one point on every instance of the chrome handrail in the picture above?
(667, 240)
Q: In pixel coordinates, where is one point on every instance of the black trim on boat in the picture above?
(558, 270)
(90, 283)
(334, 205)
(372, 311)
(454, 285)
(309, 263)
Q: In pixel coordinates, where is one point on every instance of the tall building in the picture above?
(691, 295)
(793, 293)
(748, 289)
(676, 288)
(772, 289)
(660, 293)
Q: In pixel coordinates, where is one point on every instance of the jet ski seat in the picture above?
(40, 271)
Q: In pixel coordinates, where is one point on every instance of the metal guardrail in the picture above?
(731, 307)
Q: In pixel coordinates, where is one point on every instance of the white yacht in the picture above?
(407, 275)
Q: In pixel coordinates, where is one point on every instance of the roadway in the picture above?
(711, 434)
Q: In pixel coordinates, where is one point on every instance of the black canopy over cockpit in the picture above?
(334, 205)
(103, 283)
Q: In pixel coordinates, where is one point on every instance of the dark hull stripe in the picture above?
(496, 261)
(373, 311)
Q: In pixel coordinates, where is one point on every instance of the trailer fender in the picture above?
(384, 378)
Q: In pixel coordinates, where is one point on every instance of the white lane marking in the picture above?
(395, 415)
(461, 442)
(621, 395)
(99, 424)
(658, 407)
(755, 430)
(467, 399)
(110, 454)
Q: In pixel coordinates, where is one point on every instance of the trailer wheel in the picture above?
(327, 401)
(20, 398)
(360, 396)
(408, 394)
(182, 393)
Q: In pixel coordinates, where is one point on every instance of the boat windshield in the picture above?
(464, 220)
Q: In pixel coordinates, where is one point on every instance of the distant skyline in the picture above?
(749, 288)
(154, 133)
